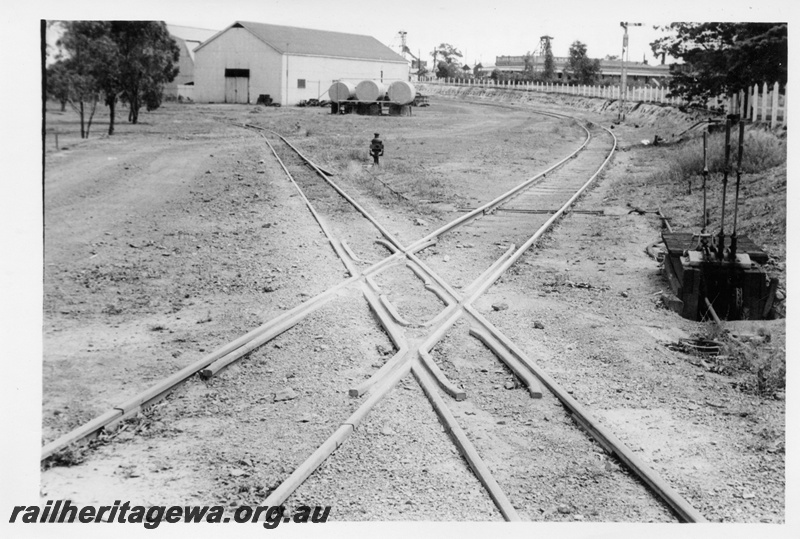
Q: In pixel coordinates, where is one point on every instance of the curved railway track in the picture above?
(417, 303)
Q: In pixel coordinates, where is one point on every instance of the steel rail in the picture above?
(502, 268)
(464, 445)
(460, 306)
(511, 360)
(328, 234)
(381, 389)
(159, 390)
(304, 470)
(445, 383)
(393, 332)
(385, 233)
(225, 355)
(481, 210)
(604, 436)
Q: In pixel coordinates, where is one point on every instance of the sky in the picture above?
(480, 30)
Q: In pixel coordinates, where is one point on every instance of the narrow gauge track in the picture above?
(546, 196)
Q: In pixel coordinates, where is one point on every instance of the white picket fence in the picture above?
(764, 103)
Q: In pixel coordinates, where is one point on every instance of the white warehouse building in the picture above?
(247, 60)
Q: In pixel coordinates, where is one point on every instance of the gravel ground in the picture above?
(137, 286)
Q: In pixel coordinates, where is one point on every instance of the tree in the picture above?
(57, 83)
(148, 60)
(549, 71)
(87, 52)
(448, 66)
(122, 60)
(723, 58)
(582, 68)
(527, 69)
(445, 70)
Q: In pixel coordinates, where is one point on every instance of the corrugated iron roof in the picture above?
(191, 37)
(188, 33)
(305, 41)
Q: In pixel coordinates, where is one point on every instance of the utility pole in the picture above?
(623, 84)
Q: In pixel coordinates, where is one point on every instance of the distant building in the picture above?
(248, 59)
(610, 70)
(188, 39)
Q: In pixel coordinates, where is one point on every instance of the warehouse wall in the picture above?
(320, 72)
(236, 49)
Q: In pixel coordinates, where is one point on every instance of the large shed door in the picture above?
(237, 85)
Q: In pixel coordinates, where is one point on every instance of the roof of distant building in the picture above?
(187, 33)
(304, 41)
(193, 37)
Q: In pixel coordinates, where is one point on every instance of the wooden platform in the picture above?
(678, 242)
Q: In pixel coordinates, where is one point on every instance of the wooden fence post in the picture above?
(776, 94)
(785, 107)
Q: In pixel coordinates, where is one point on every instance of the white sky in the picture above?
(481, 30)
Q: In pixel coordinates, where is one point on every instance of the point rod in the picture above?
(705, 180)
(738, 181)
(721, 245)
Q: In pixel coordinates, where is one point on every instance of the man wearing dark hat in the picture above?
(376, 148)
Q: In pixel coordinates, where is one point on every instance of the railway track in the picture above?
(418, 304)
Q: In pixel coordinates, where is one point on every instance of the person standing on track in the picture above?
(376, 148)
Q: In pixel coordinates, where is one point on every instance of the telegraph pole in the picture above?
(623, 86)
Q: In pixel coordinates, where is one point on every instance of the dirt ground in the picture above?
(176, 236)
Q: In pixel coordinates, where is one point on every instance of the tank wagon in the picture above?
(371, 97)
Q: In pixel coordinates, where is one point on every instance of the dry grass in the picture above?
(762, 150)
(394, 181)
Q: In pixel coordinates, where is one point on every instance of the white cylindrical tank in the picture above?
(342, 91)
(402, 92)
(370, 90)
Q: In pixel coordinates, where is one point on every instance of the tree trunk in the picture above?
(112, 108)
(63, 105)
(135, 110)
(91, 116)
(133, 107)
(83, 128)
